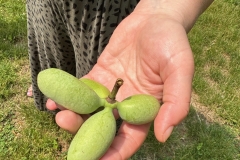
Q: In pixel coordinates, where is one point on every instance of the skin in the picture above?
(150, 51)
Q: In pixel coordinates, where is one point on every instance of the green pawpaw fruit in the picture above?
(94, 137)
(138, 109)
(68, 91)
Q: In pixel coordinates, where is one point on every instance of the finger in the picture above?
(69, 121)
(176, 101)
(115, 113)
(127, 142)
(51, 105)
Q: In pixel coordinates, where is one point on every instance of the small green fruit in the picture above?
(68, 91)
(138, 109)
(94, 137)
(100, 89)
(87, 96)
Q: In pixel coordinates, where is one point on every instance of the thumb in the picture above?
(169, 116)
(176, 102)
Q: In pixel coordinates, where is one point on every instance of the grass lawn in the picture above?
(210, 132)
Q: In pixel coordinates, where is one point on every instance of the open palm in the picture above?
(151, 53)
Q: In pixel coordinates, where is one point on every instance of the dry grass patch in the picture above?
(210, 115)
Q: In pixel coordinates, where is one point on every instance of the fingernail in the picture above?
(167, 133)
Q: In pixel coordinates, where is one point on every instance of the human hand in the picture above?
(151, 53)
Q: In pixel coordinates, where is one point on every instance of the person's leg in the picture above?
(49, 43)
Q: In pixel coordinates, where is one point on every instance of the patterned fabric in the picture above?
(70, 34)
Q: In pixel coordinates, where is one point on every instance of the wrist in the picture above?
(184, 12)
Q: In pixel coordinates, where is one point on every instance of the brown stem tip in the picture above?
(118, 84)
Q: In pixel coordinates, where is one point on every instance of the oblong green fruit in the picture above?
(68, 91)
(94, 137)
(138, 109)
(100, 89)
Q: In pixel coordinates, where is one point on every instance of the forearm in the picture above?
(184, 11)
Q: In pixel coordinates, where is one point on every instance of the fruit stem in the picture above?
(112, 95)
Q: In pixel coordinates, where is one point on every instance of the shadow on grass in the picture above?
(193, 139)
(39, 137)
